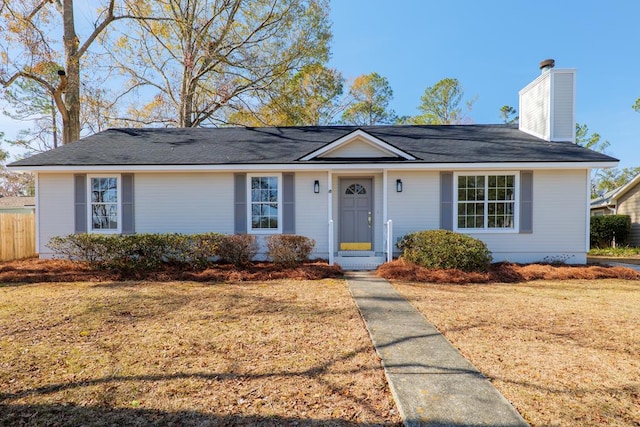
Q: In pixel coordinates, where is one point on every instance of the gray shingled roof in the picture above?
(239, 145)
(605, 199)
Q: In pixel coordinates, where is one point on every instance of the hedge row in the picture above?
(607, 227)
(150, 251)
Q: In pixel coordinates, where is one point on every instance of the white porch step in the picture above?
(356, 253)
(359, 262)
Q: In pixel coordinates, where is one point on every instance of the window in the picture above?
(264, 204)
(486, 202)
(104, 199)
(356, 189)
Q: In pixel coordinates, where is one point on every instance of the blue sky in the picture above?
(494, 47)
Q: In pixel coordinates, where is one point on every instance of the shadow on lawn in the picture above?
(68, 415)
(72, 414)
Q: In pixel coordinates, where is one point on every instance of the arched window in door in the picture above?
(355, 189)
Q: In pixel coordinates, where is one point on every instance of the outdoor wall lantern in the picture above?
(399, 185)
(316, 186)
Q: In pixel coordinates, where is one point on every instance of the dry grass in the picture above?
(565, 353)
(184, 353)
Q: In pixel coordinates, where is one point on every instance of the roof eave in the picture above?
(318, 166)
(625, 189)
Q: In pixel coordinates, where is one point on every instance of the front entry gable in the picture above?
(358, 145)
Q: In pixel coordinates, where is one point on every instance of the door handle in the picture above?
(369, 219)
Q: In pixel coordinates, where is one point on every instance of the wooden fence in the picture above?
(17, 236)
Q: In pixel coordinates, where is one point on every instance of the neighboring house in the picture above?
(354, 190)
(15, 204)
(624, 200)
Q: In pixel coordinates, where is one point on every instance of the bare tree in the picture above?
(203, 59)
(32, 42)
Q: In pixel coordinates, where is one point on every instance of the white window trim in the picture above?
(516, 200)
(252, 230)
(89, 204)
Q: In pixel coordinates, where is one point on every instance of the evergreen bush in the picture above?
(137, 251)
(238, 249)
(442, 249)
(289, 250)
(604, 228)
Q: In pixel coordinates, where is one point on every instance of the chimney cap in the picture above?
(547, 64)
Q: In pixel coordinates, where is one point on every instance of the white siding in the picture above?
(357, 148)
(202, 202)
(55, 208)
(312, 219)
(535, 107)
(184, 202)
(559, 215)
(560, 218)
(563, 121)
(547, 106)
(417, 207)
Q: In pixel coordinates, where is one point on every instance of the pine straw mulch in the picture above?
(503, 273)
(33, 270)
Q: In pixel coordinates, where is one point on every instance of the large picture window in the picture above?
(104, 198)
(265, 212)
(486, 202)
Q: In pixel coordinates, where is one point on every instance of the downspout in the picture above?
(587, 234)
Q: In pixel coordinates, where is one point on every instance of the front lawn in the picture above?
(565, 353)
(185, 353)
(620, 251)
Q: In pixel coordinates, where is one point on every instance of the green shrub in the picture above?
(204, 247)
(238, 249)
(79, 247)
(442, 249)
(137, 251)
(604, 228)
(289, 250)
(192, 249)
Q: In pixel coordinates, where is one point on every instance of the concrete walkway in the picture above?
(432, 384)
(632, 263)
(622, 264)
(615, 262)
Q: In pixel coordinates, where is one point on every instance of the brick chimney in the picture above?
(547, 104)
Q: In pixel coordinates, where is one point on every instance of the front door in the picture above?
(356, 214)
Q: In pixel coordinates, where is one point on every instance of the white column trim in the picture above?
(37, 212)
(330, 227)
(385, 195)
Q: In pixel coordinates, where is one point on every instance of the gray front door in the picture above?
(356, 214)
